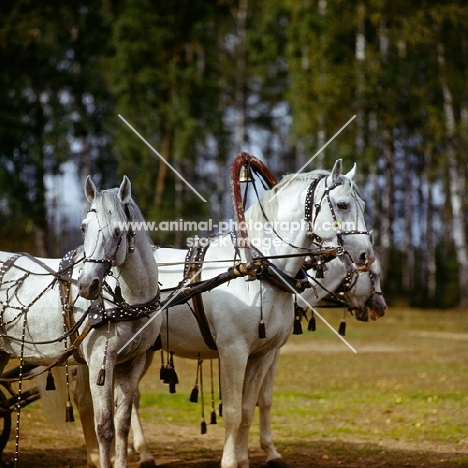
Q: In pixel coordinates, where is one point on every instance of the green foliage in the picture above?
(176, 71)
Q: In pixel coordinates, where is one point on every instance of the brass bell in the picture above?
(244, 175)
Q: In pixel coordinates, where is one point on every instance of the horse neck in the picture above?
(278, 241)
(138, 275)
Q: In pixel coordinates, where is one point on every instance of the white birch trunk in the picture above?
(456, 181)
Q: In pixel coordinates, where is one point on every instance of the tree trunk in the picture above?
(241, 60)
(360, 79)
(387, 202)
(429, 253)
(456, 181)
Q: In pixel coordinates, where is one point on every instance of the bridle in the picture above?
(110, 261)
(374, 290)
(310, 206)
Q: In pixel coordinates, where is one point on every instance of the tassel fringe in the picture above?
(203, 427)
(213, 417)
(312, 324)
(69, 417)
(50, 384)
(297, 326)
(261, 330)
(319, 269)
(194, 395)
(342, 328)
(101, 379)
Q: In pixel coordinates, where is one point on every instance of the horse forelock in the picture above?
(110, 210)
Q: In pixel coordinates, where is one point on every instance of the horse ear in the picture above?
(125, 190)
(350, 175)
(336, 171)
(90, 190)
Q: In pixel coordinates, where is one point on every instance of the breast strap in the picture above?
(192, 273)
(65, 274)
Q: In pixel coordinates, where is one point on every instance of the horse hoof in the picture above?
(277, 463)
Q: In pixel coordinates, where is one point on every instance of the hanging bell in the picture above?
(244, 175)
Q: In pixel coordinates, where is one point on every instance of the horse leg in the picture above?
(139, 441)
(127, 376)
(232, 366)
(265, 399)
(84, 403)
(103, 404)
(256, 369)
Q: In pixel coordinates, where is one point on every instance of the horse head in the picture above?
(335, 212)
(107, 235)
(366, 295)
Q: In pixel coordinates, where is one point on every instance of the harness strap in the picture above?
(309, 205)
(97, 314)
(66, 271)
(192, 271)
(7, 265)
(271, 273)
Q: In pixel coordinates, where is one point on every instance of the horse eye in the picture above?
(83, 227)
(117, 232)
(342, 205)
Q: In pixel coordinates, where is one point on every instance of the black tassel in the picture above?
(194, 395)
(342, 328)
(319, 268)
(297, 326)
(312, 325)
(163, 373)
(69, 413)
(203, 427)
(261, 330)
(50, 384)
(213, 417)
(298, 313)
(172, 379)
(220, 409)
(101, 376)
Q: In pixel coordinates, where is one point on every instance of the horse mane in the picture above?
(298, 181)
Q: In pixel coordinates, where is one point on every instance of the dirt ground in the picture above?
(180, 447)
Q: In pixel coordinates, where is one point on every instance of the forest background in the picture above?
(203, 80)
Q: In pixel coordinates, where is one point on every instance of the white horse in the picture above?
(235, 310)
(32, 316)
(359, 293)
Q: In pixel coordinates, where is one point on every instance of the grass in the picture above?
(406, 388)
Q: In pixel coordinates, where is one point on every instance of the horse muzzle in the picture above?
(377, 306)
(89, 289)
